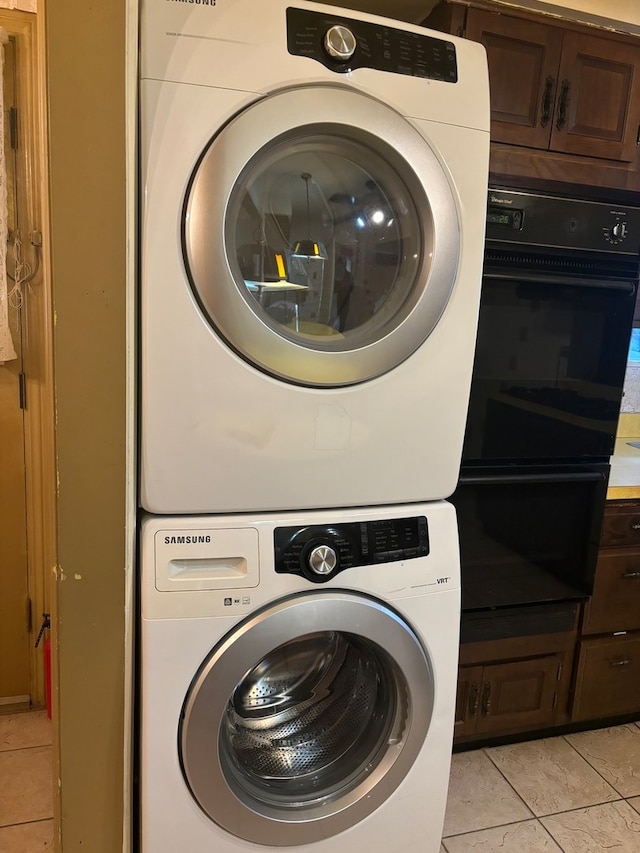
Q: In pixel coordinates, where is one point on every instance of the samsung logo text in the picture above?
(186, 540)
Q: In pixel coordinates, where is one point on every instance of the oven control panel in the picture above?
(556, 222)
(342, 45)
(321, 551)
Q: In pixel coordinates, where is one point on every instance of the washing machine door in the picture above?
(306, 718)
(321, 236)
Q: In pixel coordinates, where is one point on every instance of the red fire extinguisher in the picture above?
(46, 623)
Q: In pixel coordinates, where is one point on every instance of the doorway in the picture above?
(27, 461)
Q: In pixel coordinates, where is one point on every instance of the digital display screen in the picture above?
(499, 218)
(510, 218)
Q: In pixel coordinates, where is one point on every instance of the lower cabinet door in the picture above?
(519, 694)
(608, 677)
(467, 699)
(503, 698)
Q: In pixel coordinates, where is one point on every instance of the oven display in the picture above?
(509, 218)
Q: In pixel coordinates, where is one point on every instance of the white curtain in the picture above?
(7, 350)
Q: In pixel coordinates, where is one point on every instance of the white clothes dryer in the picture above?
(298, 680)
(312, 222)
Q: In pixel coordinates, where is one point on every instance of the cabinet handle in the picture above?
(474, 699)
(630, 575)
(549, 85)
(564, 103)
(486, 699)
(635, 525)
(621, 662)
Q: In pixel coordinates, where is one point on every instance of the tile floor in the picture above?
(26, 783)
(574, 794)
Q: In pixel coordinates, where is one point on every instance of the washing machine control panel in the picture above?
(342, 45)
(321, 551)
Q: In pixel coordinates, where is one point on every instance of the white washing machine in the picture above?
(298, 678)
(312, 221)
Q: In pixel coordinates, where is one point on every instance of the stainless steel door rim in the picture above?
(337, 660)
(355, 126)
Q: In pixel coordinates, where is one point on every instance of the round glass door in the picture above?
(300, 741)
(321, 236)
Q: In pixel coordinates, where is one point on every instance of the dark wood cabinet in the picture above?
(523, 58)
(615, 603)
(608, 677)
(501, 697)
(565, 98)
(560, 90)
(608, 670)
(598, 106)
(621, 524)
(467, 699)
(513, 685)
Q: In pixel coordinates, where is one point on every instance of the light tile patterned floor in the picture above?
(26, 783)
(574, 794)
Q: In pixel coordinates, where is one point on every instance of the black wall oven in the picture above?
(558, 297)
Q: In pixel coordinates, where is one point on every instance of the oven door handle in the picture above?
(627, 287)
(490, 479)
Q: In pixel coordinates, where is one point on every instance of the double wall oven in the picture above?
(558, 296)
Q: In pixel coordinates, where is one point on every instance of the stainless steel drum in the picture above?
(311, 713)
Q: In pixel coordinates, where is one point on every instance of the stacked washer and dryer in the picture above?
(313, 186)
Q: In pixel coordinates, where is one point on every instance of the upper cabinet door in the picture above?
(598, 100)
(524, 58)
(560, 90)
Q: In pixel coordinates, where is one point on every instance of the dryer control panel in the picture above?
(343, 44)
(320, 551)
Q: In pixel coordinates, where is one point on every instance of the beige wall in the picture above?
(86, 68)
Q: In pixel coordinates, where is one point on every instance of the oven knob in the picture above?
(340, 43)
(619, 230)
(322, 560)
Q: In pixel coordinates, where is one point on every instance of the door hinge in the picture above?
(29, 615)
(22, 390)
(638, 136)
(13, 127)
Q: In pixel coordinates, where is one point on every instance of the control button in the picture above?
(395, 555)
(381, 556)
(409, 553)
(340, 43)
(322, 560)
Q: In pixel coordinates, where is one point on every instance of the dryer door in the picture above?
(321, 236)
(306, 718)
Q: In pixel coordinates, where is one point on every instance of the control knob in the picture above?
(322, 560)
(340, 43)
(619, 230)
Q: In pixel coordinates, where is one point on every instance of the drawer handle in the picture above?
(621, 662)
(546, 101)
(630, 575)
(474, 699)
(486, 699)
(564, 104)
